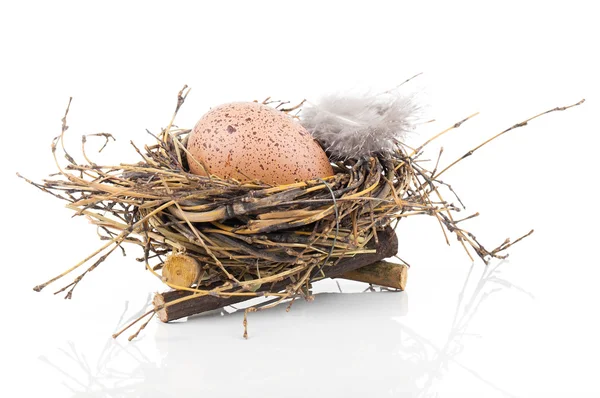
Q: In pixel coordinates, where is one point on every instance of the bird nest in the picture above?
(247, 239)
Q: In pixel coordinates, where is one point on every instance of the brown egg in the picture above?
(248, 140)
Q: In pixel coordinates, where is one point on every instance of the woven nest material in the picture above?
(246, 235)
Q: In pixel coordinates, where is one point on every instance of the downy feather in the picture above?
(352, 127)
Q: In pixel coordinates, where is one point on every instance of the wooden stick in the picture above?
(381, 273)
(387, 247)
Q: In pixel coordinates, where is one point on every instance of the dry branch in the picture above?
(381, 273)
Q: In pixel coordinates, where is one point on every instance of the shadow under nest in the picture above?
(251, 239)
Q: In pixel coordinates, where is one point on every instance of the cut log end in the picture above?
(180, 270)
(161, 312)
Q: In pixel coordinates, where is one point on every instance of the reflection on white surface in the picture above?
(348, 344)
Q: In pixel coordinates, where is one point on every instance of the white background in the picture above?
(524, 327)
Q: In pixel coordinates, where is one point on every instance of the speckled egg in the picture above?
(248, 140)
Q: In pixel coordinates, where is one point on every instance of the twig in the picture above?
(523, 123)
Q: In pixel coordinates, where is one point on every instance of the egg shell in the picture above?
(259, 141)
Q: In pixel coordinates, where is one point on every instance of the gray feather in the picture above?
(352, 127)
